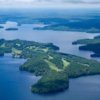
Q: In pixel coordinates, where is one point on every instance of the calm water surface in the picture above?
(16, 85)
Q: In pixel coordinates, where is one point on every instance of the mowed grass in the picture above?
(65, 63)
(50, 57)
(3, 45)
(52, 66)
(55, 68)
(38, 49)
(45, 49)
(15, 51)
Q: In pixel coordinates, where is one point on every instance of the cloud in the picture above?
(69, 1)
(51, 3)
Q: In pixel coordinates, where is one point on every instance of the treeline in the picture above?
(56, 81)
(51, 82)
(43, 60)
(90, 45)
(27, 48)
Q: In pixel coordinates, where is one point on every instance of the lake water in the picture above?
(16, 85)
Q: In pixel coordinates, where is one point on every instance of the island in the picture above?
(90, 45)
(54, 67)
(1, 27)
(11, 29)
(90, 24)
(70, 24)
(1, 53)
(68, 27)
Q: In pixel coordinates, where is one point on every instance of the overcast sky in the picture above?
(48, 3)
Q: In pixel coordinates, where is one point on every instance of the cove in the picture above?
(15, 85)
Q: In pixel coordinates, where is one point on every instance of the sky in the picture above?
(50, 3)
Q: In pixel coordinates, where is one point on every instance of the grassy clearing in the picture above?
(3, 45)
(18, 44)
(45, 50)
(84, 64)
(15, 51)
(31, 47)
(65, 63)
(50, 57)
(34, 48)
(52, 66)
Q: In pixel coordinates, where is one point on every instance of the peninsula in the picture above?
(90, 45)
(43, 59)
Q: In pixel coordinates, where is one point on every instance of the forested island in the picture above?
(1, 27)
(73, 24)
(43, 59)
(11, 29)
(90, 45)
(88, 23)
(69, 27)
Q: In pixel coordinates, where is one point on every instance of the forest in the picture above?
(43, 59)
(90, 45)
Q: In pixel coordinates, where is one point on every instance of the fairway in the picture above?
(65, 63)
(52, 66)
(15, 51)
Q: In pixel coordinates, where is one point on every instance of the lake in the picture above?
(16, 85)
